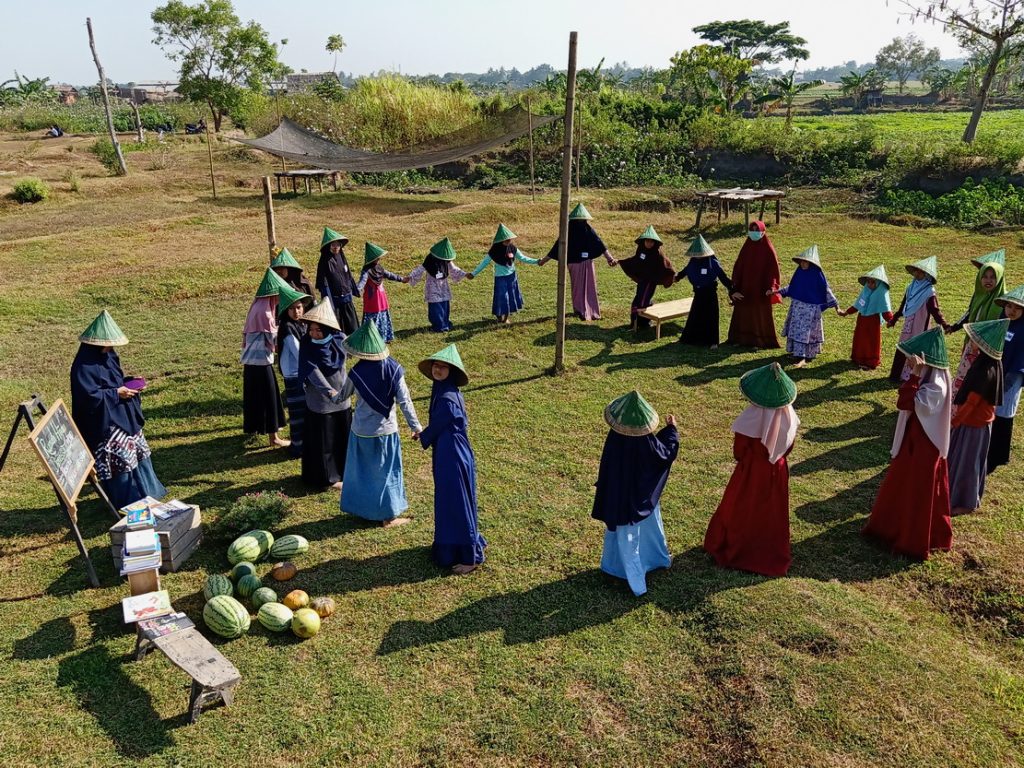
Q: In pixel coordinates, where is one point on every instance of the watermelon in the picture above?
(216, 584)
(305, 623)
(241, 569)
(265, 539)
(288, 546)
(263, 595)
(226, 616)
(244, 549)
(248, 584)
(275, 617)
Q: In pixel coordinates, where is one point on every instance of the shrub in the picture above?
(971, 205)
(74, 181)
(30, 191)
(254, 510)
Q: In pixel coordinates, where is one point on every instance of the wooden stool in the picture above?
(666, 310)
(213, 677)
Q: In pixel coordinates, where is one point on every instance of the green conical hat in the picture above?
(330, 236)
(699, 248)
(322, 313)
(443, 250)
(929, 266)
(648, 234)
(103, 332)
(289, 296)
(811, 255)
(503, 234)
(631, 415)
(878, 273)
(768, 386)
(371, 253)
(366, 343)
(450, 356)
(579, 212)
(931, 345)
(271, 285)
(999, 257)
(990, 335)
(284, 259)
(1016, 296)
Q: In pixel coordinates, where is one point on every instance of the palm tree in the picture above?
(335, 45)
(783, 91)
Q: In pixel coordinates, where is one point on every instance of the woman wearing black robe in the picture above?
(334, 279)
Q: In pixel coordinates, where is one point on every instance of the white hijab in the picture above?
(774, 427)
(932, 404)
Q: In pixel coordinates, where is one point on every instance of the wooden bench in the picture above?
(666, 310)
(724, 197)
(305, 175)
(213, 677)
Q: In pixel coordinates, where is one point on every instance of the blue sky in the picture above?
(47, 38)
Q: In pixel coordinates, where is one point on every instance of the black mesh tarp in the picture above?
(293, 142)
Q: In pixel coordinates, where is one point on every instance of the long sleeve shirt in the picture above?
(258, 348)
(319, 388)
(932, 305)
(500, 270)
(702, 273)
(830, 298)
(435, 290)
(289, 359)
(976, 411)
(366, 422)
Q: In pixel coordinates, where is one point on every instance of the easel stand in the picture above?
(26, 409)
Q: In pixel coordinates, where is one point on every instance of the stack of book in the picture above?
(178, 527)
(140, 551)
(146, 606)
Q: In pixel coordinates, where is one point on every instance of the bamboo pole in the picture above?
(138, 121)
(579, 146)
(563, 210)
(529, 117)
(209, 151)
(122, 169)
(268, 204)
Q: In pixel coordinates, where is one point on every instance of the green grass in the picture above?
(856, 659)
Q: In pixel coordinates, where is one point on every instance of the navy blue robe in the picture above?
(457, 540)
(632, 476)
(95, 405)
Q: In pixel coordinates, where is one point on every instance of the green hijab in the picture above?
(983, 303)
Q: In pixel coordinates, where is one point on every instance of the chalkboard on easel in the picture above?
(67, 458)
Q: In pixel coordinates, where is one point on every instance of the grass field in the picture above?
(855, 659)
(914, 126)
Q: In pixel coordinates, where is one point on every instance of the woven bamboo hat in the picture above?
(284, 259)
(450, 357)
(103, 332)
(580, 212)
(366, 343)
(289, 296)
(768, 386)
(699, 248)
(930, 345)
(929, 266)
(271, 284)
(809, 254)
(998, 257)
(1016, 296)
(322, 313)
(371, 253)
(990, 335)
(443, 250)
(503, 234)
(331, 236)
(631, 415)
(648, 234)
(878, 273)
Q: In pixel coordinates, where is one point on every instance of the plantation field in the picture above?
(908, 127)
(856, 658)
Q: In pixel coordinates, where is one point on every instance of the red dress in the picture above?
(911, 511)
(867, 340)
(750, 529)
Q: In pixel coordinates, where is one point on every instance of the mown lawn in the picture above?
(855, 659)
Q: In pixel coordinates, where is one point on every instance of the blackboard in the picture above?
(64, 453)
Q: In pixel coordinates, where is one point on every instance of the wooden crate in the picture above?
(180, 536)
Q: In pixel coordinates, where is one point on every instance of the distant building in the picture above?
(297, 83)
(152, 92)
(873, 98)
(66, 94)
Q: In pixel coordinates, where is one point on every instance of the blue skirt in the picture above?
(439, 314)
(373, 486)
(383, 322)
(127, 487)
(630, 551)
(507, 296)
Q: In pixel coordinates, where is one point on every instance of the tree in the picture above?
(335, 45)
(783, 91)
(219, 56)
(708, 76)
(755, 41)
(904, 56)
(857, 85)
(998, 22)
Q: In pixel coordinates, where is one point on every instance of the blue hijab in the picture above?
(1013, 349)
(918, 292)
(327, 355)
(377, 381)
(810, 286)
(873, 301)
(95, 404)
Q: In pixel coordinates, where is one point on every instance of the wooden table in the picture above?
(724, 198)
(306, 174)
(666, 310)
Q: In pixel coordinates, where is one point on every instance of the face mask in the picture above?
(324, 340)
(755, 235)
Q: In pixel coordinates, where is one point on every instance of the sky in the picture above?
(47, 38)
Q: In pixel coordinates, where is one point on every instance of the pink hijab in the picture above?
(262, 316)
(774, 427)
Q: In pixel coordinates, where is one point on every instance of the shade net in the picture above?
(293, 142)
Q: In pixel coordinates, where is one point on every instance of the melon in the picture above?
(216, 584)
(244, 548)
(248, 584)
(305, 622)
(226, 616)
(296, 599)
(275, 616)
(288, 546)
(324, 606)
(265, 539)
(263, 595)
(283, 571)
(241, 569)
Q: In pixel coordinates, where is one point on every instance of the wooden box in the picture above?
(180, 535)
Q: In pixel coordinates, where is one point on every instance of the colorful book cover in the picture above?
(146, 606)
(164, 625)
(139, 518)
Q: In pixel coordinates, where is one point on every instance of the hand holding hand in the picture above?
(416, 435)
(470, 275)
(737, 296)
(670, 420)
(405, 279)
(770, 292)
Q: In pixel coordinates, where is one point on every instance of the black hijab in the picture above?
(436, 267)
(333, 275)
(985, 377)
(95, 405)
(506, 254)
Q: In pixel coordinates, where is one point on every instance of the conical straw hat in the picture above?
(648, 234)
(768, 386)
(371, 253)
(284, 259)
(271, 285)
(331, 236)
(1016, 296)
(366, 343)
(631, 415)
(809, 254)
(990, 335)
(289, 296)
(450, 356)
(930, 345)
(580, 212)
(322, 313)
(103, 332)
(930, 266)
(443, 250)
(878, 273)
(503, 234)
(700, 248)
(997, 257)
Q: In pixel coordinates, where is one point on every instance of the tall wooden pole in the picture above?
(563, 209)
(209, 150)
(529, 117)
(122, 169)
(579, 146)
(268, 204)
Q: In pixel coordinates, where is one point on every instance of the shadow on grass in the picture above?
(120, 706)
(196, 409)
(842, 553)
(463, 332)
(406, 566)
(853, 501)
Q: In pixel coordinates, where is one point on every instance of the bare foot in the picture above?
(462, 570)
(800, 363)
(957, 511)
(277, 442)
(714, 346)
(396, 522)
(336, 486)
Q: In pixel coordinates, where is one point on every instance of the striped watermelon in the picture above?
(248, 584)
(288, 546)
(265, 539)
(263, 595)
(241, 569)
(216, 584)
(244, 548)
(275, 616)
(226, 616)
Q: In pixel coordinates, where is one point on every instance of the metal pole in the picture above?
(209, 150)
(563, 210)
(529, 117)
(268, 203)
